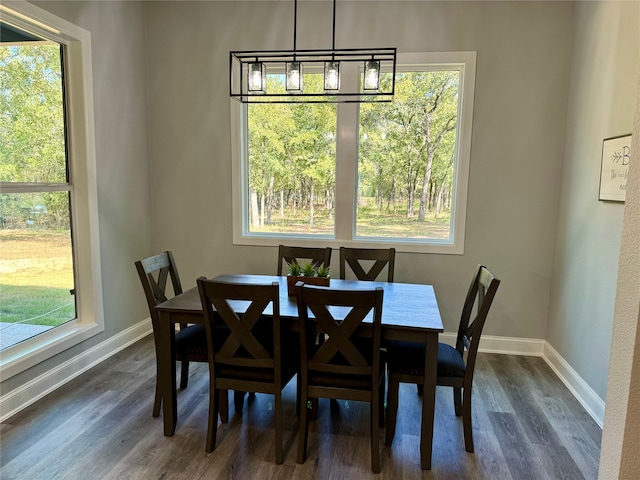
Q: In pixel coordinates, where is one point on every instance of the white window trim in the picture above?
(346, 167)
(84, 196)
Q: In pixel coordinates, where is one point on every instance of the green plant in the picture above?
(323, 271)
(294, 268)
(309, 270)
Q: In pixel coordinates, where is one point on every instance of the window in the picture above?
(50, 275)
(370, 174)
(291, 152)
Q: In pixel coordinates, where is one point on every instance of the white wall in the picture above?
(605, 65)
(519, 117)
(120, 105)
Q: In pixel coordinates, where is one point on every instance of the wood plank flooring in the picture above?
(99, 426)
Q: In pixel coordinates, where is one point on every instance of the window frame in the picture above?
(82, 186)
(347, 164)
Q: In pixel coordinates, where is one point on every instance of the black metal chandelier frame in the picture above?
(277, 61)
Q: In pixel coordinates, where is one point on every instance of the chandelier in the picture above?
(248, 73)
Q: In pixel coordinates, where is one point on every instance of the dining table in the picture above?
(409, 312)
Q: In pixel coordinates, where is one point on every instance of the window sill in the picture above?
(408, 246)
(25, 355)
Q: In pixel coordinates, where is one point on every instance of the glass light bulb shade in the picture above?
(331, 77)
(257, 78)
(294, 71)
(371, 76)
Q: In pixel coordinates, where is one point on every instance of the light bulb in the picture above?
(294, 77)
(331, 76)
(257, 81)
(371, 75)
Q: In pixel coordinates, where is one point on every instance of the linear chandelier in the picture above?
(248, 73)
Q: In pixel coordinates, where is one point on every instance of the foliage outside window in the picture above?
(370, 173)
(406, 158)
(291, 163)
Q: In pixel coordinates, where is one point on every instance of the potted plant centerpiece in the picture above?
(308, 273)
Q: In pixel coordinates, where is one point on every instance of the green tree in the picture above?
(408, 140)
(32, 122)
(291, 150)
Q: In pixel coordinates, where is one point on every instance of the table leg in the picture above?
(429, 398)
(167, 363)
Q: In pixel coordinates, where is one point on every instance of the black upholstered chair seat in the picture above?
(191, 339)
(407, 357)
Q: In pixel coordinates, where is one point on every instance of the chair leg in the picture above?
(457, 400)
(184, 374)
(278, 420)
(313, 413)
(303, 430)
(238, 401)
(392, 409)
(374, 417)
(157, 403)
(224, 406)
(298, 392)
(381, 397)
(466, 420)
(212, 427)
(420, 388)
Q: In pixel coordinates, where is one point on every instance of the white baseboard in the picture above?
(503, 345)
(37, 388)
(30, 392)
(587, 397)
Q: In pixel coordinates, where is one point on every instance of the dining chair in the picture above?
(345, 366)
(405, 361)
(251, 358)
(357, 259)
(190, 341)
(317, 256)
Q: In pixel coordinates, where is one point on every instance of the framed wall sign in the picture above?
(615, 167)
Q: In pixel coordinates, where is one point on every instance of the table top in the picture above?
(405, 306)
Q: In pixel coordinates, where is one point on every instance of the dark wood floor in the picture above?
(99, 426)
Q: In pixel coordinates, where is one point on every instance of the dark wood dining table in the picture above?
(409, 312)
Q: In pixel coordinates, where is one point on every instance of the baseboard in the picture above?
(589, 399)
(20, 398)
(503, 345)
(30, 392)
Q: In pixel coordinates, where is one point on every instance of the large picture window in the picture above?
(50, 278)
(360, 174)
(36, 279)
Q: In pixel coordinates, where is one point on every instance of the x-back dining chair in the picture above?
(357, 259)
(191, 342)
(251, 358)
(317, 256)
(405, 360)
(345, 366)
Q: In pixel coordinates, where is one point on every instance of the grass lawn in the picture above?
(36, 276)
(371, 223)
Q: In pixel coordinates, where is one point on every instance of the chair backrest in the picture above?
(249, 344)
(154, 273)
(481, 293)
(354, 257)
(317, 256)
(338, 314)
